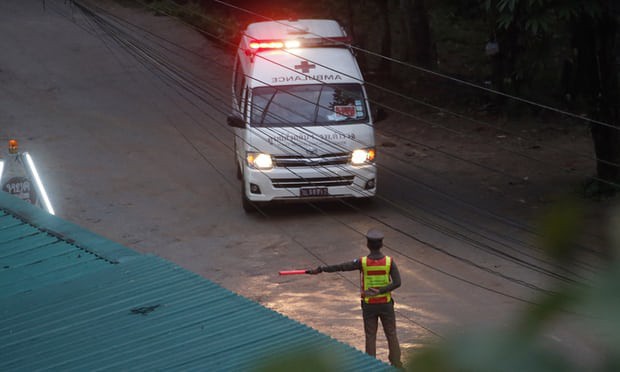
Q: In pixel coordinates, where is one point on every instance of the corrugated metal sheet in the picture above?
(70, 300)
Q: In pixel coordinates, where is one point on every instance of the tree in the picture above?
(418, 45)
(386, 38)
(590, 73)
(423, 49)
(595, 81)
(522, 30)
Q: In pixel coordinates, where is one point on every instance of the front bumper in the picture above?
(340, 181)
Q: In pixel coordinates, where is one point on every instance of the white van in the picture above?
(303, 129)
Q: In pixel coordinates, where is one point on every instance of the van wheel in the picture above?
(237, 164)
(239, 174)
(245, 202)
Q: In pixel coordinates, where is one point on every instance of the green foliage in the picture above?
(532, 16)
(538, 16)
(535, 42)
(482, 351)
(522, 346)
(560, 227)
(307, 361)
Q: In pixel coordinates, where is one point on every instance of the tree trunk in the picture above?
(423, 46)
(405, 8)
(386, 39)
(597, 81)
(607, 137)
(358, 29)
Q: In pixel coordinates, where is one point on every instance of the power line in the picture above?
(443, 76)
(435, 149)
(188, 138)
(438, 108)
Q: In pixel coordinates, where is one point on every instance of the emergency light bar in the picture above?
(257, 45)
(274, 44)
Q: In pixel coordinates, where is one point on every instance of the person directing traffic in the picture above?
(379, 277)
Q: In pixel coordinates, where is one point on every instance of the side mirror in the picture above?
(378, 114)
(235, 121)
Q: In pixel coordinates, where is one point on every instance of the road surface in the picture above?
(125, 113)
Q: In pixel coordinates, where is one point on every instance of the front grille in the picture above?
(312, 182)
(300, 161)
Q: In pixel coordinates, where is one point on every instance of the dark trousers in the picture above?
(372, 313)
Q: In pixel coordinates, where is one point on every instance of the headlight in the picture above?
(362, 156)
(259, 161)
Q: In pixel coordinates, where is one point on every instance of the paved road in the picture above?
(127, 124)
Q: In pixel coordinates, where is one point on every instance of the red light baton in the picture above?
(292, 272)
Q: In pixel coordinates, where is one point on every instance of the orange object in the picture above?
(13, 146)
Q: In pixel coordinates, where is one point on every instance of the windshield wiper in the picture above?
(266, 108)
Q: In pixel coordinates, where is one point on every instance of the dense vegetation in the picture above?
(561, 54)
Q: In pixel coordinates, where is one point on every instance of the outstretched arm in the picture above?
(346, 266)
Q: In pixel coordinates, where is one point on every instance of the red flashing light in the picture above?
(266, 44)
(258, 45)
(274, 44)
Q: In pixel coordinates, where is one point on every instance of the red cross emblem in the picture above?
(304, 66)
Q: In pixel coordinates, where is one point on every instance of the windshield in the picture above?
(307, 105)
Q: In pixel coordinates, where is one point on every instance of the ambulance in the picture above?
(301, 116)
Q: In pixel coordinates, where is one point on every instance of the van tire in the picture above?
(247, 205)
(237, 163)
(239, 174)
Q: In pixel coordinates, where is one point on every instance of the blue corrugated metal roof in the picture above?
(72, 300)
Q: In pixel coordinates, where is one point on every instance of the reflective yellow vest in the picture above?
(376, 274)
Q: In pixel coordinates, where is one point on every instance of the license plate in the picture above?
(313, 191)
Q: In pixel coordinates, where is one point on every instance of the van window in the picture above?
(244, 103)
(239, 83)
(308, 105)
